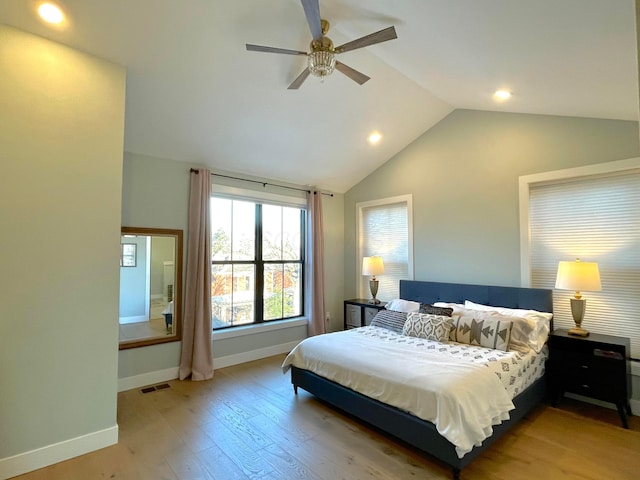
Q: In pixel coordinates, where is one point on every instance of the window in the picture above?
(385, 229)
(593, 214)
(128, 255)
(257, 252)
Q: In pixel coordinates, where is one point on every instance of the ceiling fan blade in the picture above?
(297, 83)
(388, 33)
(354, 75)
(312, 12)
(261, 48)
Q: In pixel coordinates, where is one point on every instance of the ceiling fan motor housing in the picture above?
(322, 58)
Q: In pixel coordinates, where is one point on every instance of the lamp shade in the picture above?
(578, 276)
(372, 266)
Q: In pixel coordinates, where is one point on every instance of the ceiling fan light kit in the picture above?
(321, 60)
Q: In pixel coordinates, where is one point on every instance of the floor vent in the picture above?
(162, 386)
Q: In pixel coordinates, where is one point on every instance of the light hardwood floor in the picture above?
(247, 423)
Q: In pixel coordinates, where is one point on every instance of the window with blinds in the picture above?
(385, 229)
(596, 219)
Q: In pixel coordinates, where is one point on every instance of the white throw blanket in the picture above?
(463, 399)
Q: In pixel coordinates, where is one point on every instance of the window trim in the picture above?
(237, 193)
(361, 285)
(527, 181)
(260, 197)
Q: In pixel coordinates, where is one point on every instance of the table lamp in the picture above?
(373, 266)
(578, 276)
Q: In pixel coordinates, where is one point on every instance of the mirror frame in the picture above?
(177, 290)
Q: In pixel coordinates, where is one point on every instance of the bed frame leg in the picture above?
(295, 389)
(456, 474)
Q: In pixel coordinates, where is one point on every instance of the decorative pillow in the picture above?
(431, 327)
(400, 305)
(433, 310)
(530, 327)
(390, 320)
(485, 332)
(514, 312)
(455, 306)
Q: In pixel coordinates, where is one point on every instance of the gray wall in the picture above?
(133, 282)
(155, 193)
(463, 175)
(162, 250)
(61, 143)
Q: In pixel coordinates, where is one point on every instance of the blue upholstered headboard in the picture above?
(512, 297)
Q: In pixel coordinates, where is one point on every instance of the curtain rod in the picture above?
(264, 184)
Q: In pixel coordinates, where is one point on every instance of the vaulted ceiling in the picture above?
(195, 94)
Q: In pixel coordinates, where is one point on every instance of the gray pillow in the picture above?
(389, 319)
(431, 310)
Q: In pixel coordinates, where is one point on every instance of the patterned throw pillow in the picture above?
(389, 319)
(431, 327)
(432, 310)
(483, 332)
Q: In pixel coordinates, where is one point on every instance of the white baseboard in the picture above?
(238, 358)
(151, 378)
(144, 379)
(58, 452)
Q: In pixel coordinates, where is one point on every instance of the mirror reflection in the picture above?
(150, 286)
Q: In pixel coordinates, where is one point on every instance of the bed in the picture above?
(412, 429)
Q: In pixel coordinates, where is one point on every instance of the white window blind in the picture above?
(385, 227)
(596, 219)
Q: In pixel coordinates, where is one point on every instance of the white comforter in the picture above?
(463, 399)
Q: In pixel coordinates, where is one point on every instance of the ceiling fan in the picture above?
(321, 60)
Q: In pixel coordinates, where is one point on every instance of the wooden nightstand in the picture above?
(595, 366)
(358, 312)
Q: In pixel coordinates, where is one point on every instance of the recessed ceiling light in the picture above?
(375, 137)
(502, 95)
(50, 13)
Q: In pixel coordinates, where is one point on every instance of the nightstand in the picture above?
(358, 312)
(595, 366)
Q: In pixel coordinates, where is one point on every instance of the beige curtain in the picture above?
(317, 324)
(197, 356)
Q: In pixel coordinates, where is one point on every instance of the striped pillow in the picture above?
(389, 319)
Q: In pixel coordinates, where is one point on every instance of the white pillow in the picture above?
(400, 305)
(530, 327)
(516, 312)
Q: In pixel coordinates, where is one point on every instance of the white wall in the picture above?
(61, 143)
(156, 194)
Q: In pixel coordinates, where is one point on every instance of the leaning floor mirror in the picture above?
(150, 286)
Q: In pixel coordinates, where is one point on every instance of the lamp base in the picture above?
(577, 311)
(578, 332)
(373, 286)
